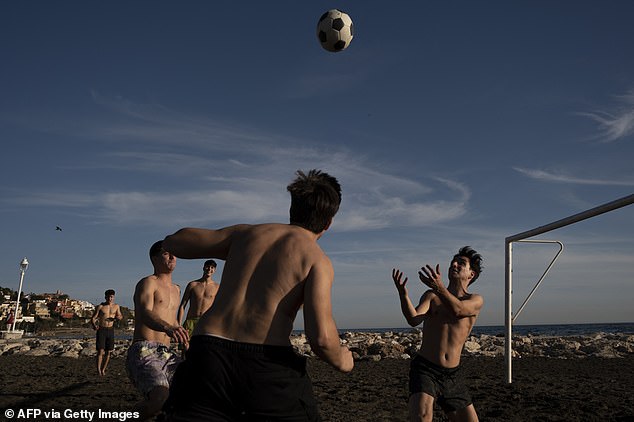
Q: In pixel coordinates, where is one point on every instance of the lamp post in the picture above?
(23, 266)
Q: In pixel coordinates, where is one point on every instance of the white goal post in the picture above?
(508, 273)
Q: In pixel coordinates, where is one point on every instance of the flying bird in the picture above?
(58, 228)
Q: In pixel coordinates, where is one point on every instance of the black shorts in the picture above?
(446, 385)
(223, 380)
(105, 338)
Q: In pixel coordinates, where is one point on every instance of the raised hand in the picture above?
(431, 277)
(397, 277)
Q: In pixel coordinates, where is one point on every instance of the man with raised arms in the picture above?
(448, 314)
(150, 363)
(240, 364)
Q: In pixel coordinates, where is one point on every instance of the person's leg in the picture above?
(108, 347)
(152, 405)
(101, 348)
(100, 354)
(104, 364)
(468, 414)
(421, 407)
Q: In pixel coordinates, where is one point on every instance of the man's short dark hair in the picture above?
(109, 292)
(315, 199)
(475, 260)
(156, 249)
(210, 263)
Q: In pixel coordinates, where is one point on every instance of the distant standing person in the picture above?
(200, 294)
(150, 363)
(240, 364)
(10, 320)
(448, 314)
(103, 321)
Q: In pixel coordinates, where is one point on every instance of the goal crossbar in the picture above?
(508, 273)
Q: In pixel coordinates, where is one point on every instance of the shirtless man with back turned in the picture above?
(103, 322)
(200, 294)
(240, 364)
(448, 314)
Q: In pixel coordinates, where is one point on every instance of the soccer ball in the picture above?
(335, 30)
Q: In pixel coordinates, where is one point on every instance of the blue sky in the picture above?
(448, 124)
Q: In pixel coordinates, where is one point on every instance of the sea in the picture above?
(557, 330)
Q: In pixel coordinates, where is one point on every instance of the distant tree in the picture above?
(44, 324)
(7, 291)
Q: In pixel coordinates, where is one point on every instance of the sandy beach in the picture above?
(545, 389)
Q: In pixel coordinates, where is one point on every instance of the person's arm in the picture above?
(461, 308)
(319, 323)
(144, 304)
(190, 243)
(413, 315)
(118, 314)
(93, 319)
(181, 308)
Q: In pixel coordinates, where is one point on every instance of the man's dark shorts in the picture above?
(105, 338)
(446, 385)
(224, 380)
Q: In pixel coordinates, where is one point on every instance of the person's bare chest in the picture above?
(108, 311)
(166, 298)
(205, 291)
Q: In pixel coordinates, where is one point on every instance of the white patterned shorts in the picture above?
(151, 364)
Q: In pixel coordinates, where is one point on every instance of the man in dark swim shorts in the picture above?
(240, 365)
(103, 321)
(448, 314)
(445, 385)
(235, 378)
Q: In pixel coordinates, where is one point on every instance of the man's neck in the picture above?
(165, 277)
(458, 289)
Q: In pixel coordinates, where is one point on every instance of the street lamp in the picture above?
(23, 266)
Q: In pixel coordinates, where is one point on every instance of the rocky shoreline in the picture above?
(372, 346)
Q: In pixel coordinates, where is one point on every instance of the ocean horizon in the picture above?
(561, 330)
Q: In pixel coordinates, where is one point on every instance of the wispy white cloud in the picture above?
(618, 124)
(561, 177)
(233, 175)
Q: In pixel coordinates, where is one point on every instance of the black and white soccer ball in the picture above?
(335, 30)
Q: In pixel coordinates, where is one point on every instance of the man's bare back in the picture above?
(270, 271)
(263, 283)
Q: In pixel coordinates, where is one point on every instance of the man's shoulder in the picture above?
(475, 297)
(148, 279)
(148, 282)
